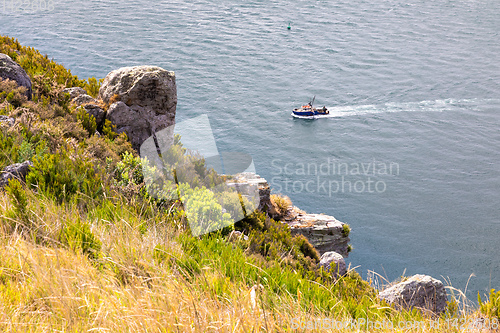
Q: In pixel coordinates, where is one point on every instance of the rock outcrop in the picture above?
(74, 92)
(83, 99)
(324, 232)
(334, 262)
(80, 98)
(8, 121)
(143, 101)
(419, 291)
(249, 183)
(18, 170)
(9, 69)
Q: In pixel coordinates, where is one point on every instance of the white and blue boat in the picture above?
(309, 112)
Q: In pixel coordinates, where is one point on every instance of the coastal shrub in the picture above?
(129, 170)
(346, 229)
(17, 97)
(61, 176)
(87, 121)
(203, 212)
(282, 204)
(306, 247)
(491, 307)
(18, 199)
(253, 221)
(26, 151)
(106, 151)
(8, 149)
(275, 242)
(78, 237)
(48, 73)
(92, 86)
(12, 93)
(109, 130)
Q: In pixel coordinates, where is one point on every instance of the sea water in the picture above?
(410, 153)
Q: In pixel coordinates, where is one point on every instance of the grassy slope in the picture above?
(98, 254)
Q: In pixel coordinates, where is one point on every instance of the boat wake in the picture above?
(423, 106)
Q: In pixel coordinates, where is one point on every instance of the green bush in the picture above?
(275, 242)
(109, 130)
(45, 73)
(346, 230)
(26, 151)
(491, 308)
(92, 86)
(78, 237)
(129, 170)
(87, 120)
(282, 203)
(12, 93)
(203, 212)
(61, 177)
(18, 199)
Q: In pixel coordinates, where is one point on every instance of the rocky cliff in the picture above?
(325, 232)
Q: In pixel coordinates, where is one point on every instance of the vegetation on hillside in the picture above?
(85, 246)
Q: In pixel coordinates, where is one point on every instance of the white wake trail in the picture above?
(423, 106)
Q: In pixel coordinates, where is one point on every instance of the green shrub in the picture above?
(109, 130)
(253, 221)
(37, 65)
(92, 86)
(306, 247)
(491, 308)
(61, 177)
(346, 230)
(78, 237)
(87, 120)
(203, 212)
(17, 97)
(129, 170)
(12, 93)
(282, 203)
(18, 199)
(275, 242)
(26, 151)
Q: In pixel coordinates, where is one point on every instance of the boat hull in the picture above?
(309, 113)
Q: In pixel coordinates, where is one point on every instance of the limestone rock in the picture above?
(7, 120)
(329, 259)
(18, 170)
(74, 92)
(248, 183)
(83, 99)
(147, 100)
(419, 291)
(325, 232)
(11, 70)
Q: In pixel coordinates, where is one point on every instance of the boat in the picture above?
(309, 112)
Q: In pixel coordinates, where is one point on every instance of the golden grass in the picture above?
(47, 288)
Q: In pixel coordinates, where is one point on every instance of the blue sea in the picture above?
(410, 156)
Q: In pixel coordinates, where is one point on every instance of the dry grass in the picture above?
(282, 204)
(46, 287)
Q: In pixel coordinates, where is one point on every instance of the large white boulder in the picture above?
(419, 291)
(143, 100)
(333, 262)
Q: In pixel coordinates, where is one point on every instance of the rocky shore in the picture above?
(142, 100)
